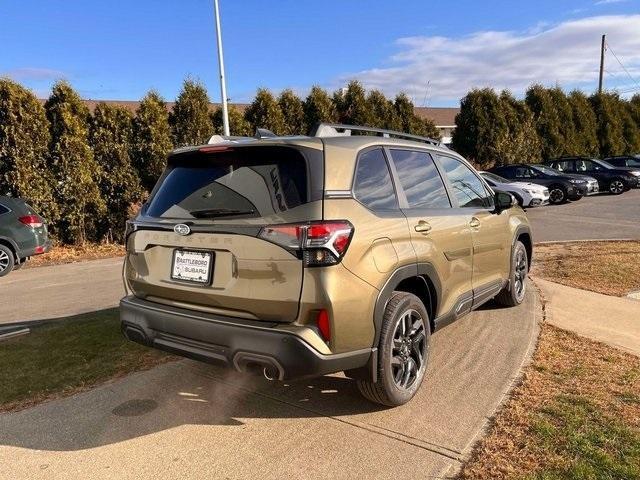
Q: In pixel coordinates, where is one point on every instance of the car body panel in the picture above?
(266, 290)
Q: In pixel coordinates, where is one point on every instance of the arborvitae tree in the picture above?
(352, 105)
(293, 112)
(481, 128)
(151, 139)
(630, 129)
(382, 111)
(189, 120)
(110, 137)
(264, 112)
(547, 121)
(411, 123)
(73, 166)
(565, 117)
(608, 125)
(318, 107)
(522, 143)
(584, 122)
(634, 108)
(238, 126)
(24, 144)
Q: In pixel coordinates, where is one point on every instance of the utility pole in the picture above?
(602, 48)
(223, 87)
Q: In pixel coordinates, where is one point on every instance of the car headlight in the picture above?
(635, 173)
(576, 181)
(530, 192)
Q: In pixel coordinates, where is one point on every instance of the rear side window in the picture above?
(3, 209)
(372, 184)
(467, 187)
(242, 182)
(563, 165)
(420, 179)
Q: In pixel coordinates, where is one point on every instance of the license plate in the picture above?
(192, 266)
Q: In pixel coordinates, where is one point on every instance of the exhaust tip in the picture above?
(270, 373)
(134, 335)
(253, 362)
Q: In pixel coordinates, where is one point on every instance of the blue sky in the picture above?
(434, 50)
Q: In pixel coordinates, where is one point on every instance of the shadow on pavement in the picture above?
(471, 364)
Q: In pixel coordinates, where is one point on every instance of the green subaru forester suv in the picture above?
(23, 233)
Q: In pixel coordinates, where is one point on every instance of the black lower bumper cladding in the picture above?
(223, 340)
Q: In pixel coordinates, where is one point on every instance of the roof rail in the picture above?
(332, 130)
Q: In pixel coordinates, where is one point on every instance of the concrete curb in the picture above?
(561, 242)
(6, 334)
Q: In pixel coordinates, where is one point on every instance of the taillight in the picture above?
(318, 243)
(33, 221)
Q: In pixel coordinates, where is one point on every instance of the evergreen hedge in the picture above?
(85, 172)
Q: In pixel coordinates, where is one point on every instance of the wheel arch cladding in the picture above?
(524, 236)
(10, 245)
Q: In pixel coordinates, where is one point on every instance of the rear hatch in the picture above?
(197, 243)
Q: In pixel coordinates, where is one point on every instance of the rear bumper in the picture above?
(35, 250)
(222, 340)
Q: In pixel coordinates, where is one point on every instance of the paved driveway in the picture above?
(190, 420)
(598, 217)
(60, 290)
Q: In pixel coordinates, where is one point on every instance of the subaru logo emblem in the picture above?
(182, 229)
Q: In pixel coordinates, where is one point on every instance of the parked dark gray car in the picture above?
(23, 233)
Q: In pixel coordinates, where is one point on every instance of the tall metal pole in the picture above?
(223, 87)
(602, 48)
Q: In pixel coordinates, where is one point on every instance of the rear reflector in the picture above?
(318, 243)
(33, 221)
(39, 250)
(322, 320)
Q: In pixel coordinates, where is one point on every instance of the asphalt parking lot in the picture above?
(191, 420)
(598, 217)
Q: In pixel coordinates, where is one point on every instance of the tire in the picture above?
(513, 294)
(616, 186)
(403, 352)
(7, 260)
(557, 195)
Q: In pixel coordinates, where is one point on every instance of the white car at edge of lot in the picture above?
(527, 194)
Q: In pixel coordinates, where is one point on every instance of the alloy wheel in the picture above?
(409, 349)
(556, 195)
(616, 187)
(4, 261)
(520, 274)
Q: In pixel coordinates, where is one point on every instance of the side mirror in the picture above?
(504, 201)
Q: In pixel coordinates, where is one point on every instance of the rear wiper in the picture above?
(219, 212)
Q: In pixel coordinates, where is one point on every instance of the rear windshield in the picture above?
(237, 183)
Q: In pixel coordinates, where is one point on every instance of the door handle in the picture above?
(423, 227)
(474, 223)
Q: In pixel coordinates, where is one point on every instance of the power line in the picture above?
(623, 67)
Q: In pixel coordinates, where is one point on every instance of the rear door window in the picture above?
(420, 179)
(3, 209)
(372, 184)
(238, 183)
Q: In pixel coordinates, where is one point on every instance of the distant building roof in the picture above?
(441, 116)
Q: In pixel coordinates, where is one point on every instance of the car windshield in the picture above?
(494, 177)
(545, 170)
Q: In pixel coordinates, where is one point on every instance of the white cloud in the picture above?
(33, 73)
(567, 53)
(608, 2)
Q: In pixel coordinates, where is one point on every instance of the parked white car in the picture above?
(527, 194)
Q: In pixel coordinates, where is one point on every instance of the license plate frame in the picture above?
(205, 278)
